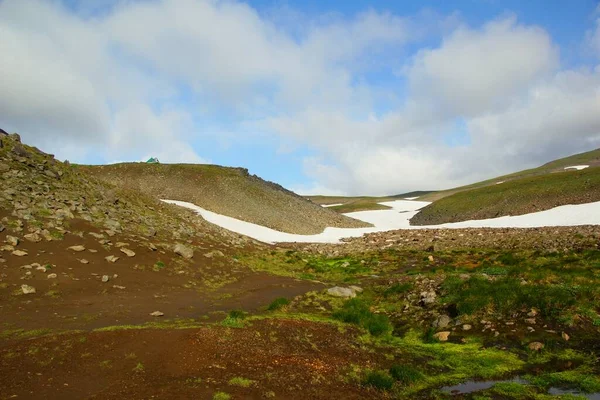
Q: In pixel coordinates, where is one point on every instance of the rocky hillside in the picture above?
(228, 191)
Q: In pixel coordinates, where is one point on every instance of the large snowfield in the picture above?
(398, 218)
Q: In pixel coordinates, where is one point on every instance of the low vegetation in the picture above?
(515, 197)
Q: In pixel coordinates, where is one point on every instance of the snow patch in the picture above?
(398, 218)
(500, 182)
(333, 205)
(411, 198)
(577, 167)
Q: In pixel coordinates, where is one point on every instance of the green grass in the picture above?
(221, 396)
(379, 380)
(515, 197)
(241, 382)
(356, 311)
(405, 374)
(235, 319)
(278, 303)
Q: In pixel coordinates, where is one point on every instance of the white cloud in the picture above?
(475, 71)
(80, 84)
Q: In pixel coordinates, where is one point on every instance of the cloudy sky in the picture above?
(330, 97)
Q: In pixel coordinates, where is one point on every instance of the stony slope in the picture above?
(228, 191)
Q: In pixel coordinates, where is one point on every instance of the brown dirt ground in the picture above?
(287, 359)
(77, 298)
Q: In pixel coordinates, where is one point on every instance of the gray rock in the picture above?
(338, 291)
(12, 240)
(157, 314)
(111, 258)
(428, 298)
(26, 289)
(63, 213)
(77, 248)
(19, 253)
(535, 346)
(2, 228)
(442, 321)
(105, 278)
(52, 276)
(112, 225)
(33, 237)
(214, 253)
(356, 289)
(466, 327)
(183, 251)
(126, 251)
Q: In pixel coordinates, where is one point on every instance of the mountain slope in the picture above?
(591, 158)
(520, 193)
(228, 191)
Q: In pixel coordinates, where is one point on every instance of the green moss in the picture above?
(241, 382)
(379, 379)
(278, 303)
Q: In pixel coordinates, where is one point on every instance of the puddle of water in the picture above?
(557, 391)
(476, 386)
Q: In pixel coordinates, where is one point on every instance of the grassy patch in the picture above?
(379, 380)
(221, 396)
(235, 319)
(356, 311)
(278, 303)
(241, 382)
(405, 374)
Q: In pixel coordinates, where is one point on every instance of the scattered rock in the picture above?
(183, 251)
(12, 240)
(26, 289)
(119, 287)
(19, 253)
(33, 237)
(466, 327)
(535, 346)
(214, 253)
(84, 261)
(430, 258)
(356, 289)
(105, 278)
(77, 248)
(112, 225)
(442, 321)
(427, 298)
(129, 253)
(338, 291)
(152, 247)
(157, 314)
(2, 228)
(565, 336)
(52, 276)
(530, 321)
(442, 336)
(532, 313)
(111, 258)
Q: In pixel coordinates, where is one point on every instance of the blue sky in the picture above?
(320, 96)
